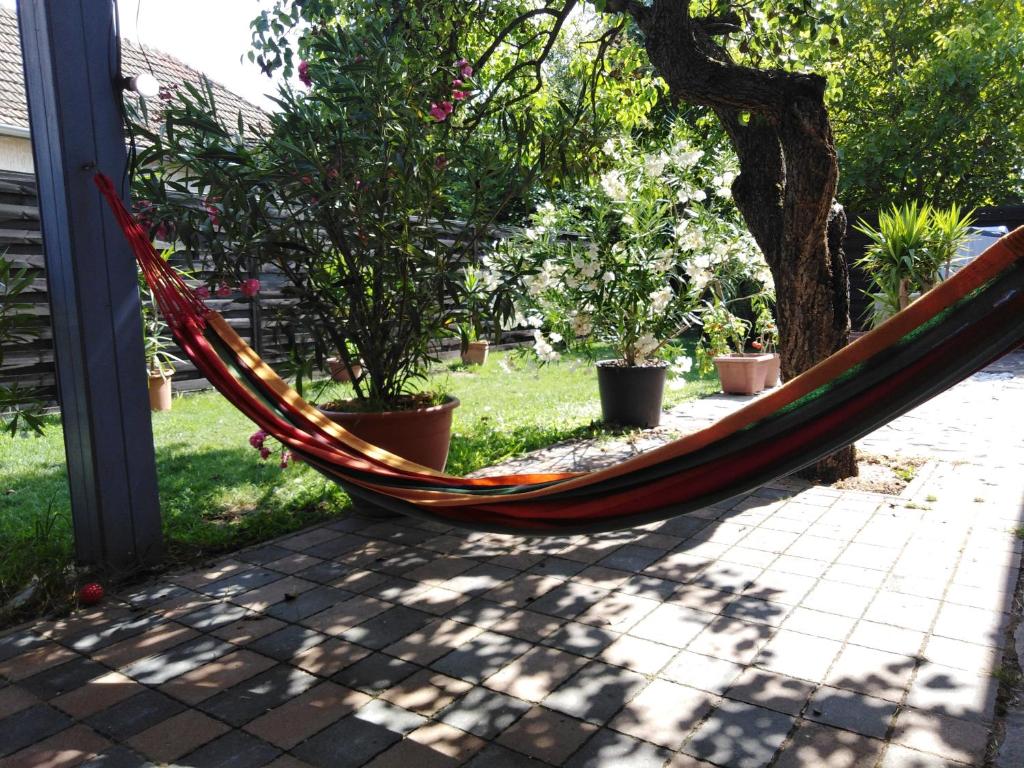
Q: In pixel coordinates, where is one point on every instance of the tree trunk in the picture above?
(786, 187)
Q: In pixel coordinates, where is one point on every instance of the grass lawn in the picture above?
(217, 495)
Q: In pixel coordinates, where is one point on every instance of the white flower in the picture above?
(533, 233)
(547, 217)
(535, 321)
(628, 219)
(582, 325)
(555, 337)
(660, 299)
(645, 345)
(608, 277)
(609, 148)
(544, 350)
(614, 185)
(688, 159)
(654, 165)
(699, 196)
(682, 365)
(691, 239)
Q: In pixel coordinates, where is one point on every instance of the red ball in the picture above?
(90, 594)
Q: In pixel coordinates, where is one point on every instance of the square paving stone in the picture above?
(387, 715)
(547, 735)
(375, 673)
(308, 603)
(596, 692)
(264, 554)
(91, 640)
(704, 672)
(853, 711)
(663, 713)
(497, 756)
(29, 726)
(287, 643)
(161, 667)
(250, 699)
(241, 582)
(154, 593)
(117, 757)
(819, 745)
(632, 557)
(387, 627)
(479, 613)
(481, 657)
(349, 743)
(771, 690)
(134, 715)
(18, 643)
(213, 616)
(581, 639)
(63, 678)
(536, 673)
(611, 748)
(569, 600)
(232, 750)
(325, 572)
(484, 713)
(739, 735)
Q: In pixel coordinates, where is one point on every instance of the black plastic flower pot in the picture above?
(631, 395)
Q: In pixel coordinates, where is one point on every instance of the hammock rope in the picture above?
(957, 328)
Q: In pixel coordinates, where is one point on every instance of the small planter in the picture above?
(421, 435)
(339, 372)
(476, 353)
(744, 374)
(159, 393)
(631, 395)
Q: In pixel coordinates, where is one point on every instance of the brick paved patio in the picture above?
(797, 626)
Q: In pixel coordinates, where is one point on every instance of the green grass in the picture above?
(216, 494)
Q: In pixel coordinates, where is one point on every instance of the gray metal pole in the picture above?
(70, 53)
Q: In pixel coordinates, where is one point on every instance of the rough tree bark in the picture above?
(786, 187)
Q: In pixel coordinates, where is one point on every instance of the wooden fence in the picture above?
(32, 364)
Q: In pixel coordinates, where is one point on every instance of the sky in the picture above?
(209, 35)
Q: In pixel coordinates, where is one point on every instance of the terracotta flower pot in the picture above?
(476, 353)
(159, 393)
(771, 376)
(338, 370)
(743, 374)
(421, 435)
(631, 395)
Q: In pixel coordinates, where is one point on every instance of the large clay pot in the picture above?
(743, 374)
(159, 393)
(421, 435)
(631, 395)
(338, 370)
(476, 353)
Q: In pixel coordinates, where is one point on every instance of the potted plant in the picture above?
(908, 253)
(724, 343)
(473, 301)
(615, 282)
(157, 346)
(356, 193)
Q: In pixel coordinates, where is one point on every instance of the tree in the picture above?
(926, 103)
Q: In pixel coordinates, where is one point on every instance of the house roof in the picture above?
(135, 59)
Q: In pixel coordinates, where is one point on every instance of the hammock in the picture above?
(957, 328)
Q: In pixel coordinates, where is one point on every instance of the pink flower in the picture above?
(440, 163)
(459, 95)
(213, 213)
(438, 112)
(332, 173)
(223, 290)
(250, 287)
(307, 180)
(257, 438)
(359, 59)
(264, 453)
(464, 67)
(456, 83)
(304, 74)
(286, 457)
(203, 292)
(448, 107)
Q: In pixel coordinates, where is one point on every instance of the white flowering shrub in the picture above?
(634, 260)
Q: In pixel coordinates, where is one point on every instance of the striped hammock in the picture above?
(958, 327)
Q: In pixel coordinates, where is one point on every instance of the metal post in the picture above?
(69, 49)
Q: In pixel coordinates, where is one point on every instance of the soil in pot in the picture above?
(743, 374)
(476, 353)
(419, 434)
(159, 393)
(631, 394)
